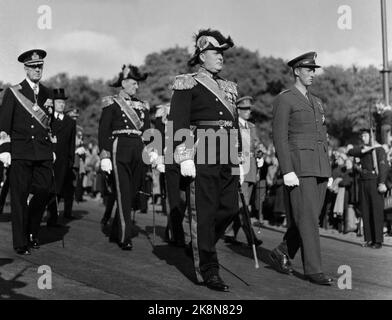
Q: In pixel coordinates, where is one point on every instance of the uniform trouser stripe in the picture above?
(118, 190)
(193, 229)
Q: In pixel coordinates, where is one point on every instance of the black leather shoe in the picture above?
(33, 242)
(376, 245)
(127, 246)
(23, 251)
(231, 240)
(104, 221)
(214, 282)
(367, 244)
(319, 278)
(280, 261)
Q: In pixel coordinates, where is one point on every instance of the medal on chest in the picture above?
(35, 107)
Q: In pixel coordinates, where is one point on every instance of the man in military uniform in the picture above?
(64, 129)
(123, 120)
(25, 121)
(205, 101)
(300, 139)
(249, 142)
(371, 189)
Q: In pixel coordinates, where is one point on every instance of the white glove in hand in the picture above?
(161, 167)
(153, 157)
(242, 174)
(290, 179)
(260, 162)
(382, 188)
(106, 165)
(188, 168)
(5, 157)
(54, 157)
(330, 181)
(79, 151)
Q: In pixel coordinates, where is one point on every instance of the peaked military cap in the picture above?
(306, 60)
(32, 57)
(245, 102)
(59, 94)
(209, 40)
(129, 72)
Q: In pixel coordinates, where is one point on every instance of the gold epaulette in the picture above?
(184, 82)
(107, 101)
(162, 110)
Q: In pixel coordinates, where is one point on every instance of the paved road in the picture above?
(89, 267)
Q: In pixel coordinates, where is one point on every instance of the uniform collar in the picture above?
(242, 121)
(32, 84)
(207, 73)
(59, 115)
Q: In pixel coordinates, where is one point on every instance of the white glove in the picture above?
(260, 162)
(79, 151)
(106, 165)
(188, 168)
(153, 157)
(330, 181)
(290, 179)
(54, 157)
(161, 167)
(5, 157)
(242, 174)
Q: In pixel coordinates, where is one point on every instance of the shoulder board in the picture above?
(184, 82)
(107, 101)
(284, 91)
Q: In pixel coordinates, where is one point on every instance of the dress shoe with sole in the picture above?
(214, 282)
(319, 278)
(367, 244)
(280, 261)
(231, 240)
(33, 242)
(23, 251)
(127, 246)
(376, 245)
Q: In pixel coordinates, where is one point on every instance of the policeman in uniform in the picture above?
(25, 121)
(123, 120)
(300, 139)
(203, 100)
(371, 189)
(64, 129)
(249, 138)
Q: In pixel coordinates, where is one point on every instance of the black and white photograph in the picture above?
(195, 156)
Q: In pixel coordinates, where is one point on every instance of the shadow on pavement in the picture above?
(8, 286)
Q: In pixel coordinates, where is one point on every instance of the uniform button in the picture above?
(127, 127)
(123, 115)
(220, 112)
(216, 99)
(125, 121)
(32, 126)
(32, 137)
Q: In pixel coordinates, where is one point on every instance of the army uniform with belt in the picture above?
(300, 139)
(203, 100)
(25, 120)
(123, 121)
(371, 189)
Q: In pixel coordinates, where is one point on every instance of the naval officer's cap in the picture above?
(244, 103)
(32, 57)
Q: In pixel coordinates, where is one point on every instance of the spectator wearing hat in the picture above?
(204, 101)
(371, 189)
(25, 133)
(123, 121)
(64, 128)
(300, 139)
(249, 142)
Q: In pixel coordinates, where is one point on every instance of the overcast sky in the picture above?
(95, 37)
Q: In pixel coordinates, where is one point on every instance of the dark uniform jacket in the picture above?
(65, 132)
(29, 140)
(193, 102)
(367, 169)
(300, 134)
(114, 120)
(249, 161)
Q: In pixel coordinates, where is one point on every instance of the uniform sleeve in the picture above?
(280, 136)
(355, 152)
(180, 118)
(105, 132)
(383, 166)
(6, 115)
